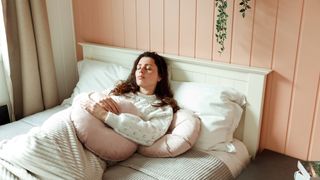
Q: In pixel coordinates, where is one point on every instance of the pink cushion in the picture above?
(96, 136)
(181, 136)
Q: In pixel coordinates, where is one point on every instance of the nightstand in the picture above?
(270, 165)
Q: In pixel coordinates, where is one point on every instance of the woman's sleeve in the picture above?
(138, 130)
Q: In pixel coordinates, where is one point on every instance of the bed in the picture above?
(247, 80)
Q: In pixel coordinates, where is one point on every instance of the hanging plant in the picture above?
(244, 4)
(222, 18)
(221, 23)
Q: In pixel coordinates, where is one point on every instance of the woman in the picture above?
(53, 150)
(148, 89)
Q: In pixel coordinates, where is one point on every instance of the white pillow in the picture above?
(219, 109)
(97, 76)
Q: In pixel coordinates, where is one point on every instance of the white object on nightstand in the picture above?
(302, 174)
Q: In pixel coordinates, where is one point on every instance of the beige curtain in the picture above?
(30, 56)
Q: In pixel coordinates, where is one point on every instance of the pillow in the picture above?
(96, 136)
(181, 136)
(219, 109)
(97, 76)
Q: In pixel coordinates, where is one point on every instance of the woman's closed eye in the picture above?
(147, 67)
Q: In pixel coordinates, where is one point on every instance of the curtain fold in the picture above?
(4, 58)
(30, 56)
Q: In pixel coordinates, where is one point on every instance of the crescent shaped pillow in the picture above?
(97, 136)
(181, 136)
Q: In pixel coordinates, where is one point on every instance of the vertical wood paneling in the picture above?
(225, 56)
(171, 26)
(204, 29)
(106, 23)
(143, 36)
(87, 14)
(263, 33)
(92, 23)
(314, 152)
(130, 28)
(285, 48)
(242, 35)
(269, 36)
(118, 23)
(95, 22)
(305, 83)
(187, 27)
(156, 25)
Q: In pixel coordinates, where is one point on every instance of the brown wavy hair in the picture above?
(162, 91)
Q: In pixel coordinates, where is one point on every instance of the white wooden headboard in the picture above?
(248, 80)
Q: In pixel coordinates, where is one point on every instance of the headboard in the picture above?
(248, 80)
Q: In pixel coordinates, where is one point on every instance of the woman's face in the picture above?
(147, 75)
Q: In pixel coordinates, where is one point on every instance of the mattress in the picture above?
(236, 161)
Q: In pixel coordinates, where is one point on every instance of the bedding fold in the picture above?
(51, 151)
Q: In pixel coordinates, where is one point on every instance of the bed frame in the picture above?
(248, 80)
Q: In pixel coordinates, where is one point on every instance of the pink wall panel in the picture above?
(263, 33)
(276, 34)
(94, 22)
(314, 142)
(118, 22)
(171, 26)
(242, 35)
(105, 23)
(143, 15)
(204, 29)
(285, 47)
(156, 25)
(305, 83)
(130, 25)
(187, 28)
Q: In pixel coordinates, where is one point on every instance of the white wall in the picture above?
(60, 16)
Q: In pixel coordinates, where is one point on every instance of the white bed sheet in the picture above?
(22, 126)
(236, 161)
(39, 118)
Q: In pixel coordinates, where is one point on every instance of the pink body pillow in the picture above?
(181, 136)
(97, 136)
(109, 145)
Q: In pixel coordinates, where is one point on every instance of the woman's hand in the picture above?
(105, 101)
(95, 109)
(109, 104)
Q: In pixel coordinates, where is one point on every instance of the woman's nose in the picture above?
(142, 70)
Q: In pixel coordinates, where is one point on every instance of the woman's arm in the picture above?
(143, 129)
(139, 130)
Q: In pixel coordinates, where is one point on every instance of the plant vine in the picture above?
(244, 4)
(222, 18)
(221, 23)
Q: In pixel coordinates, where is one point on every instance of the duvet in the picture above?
(51, 151)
